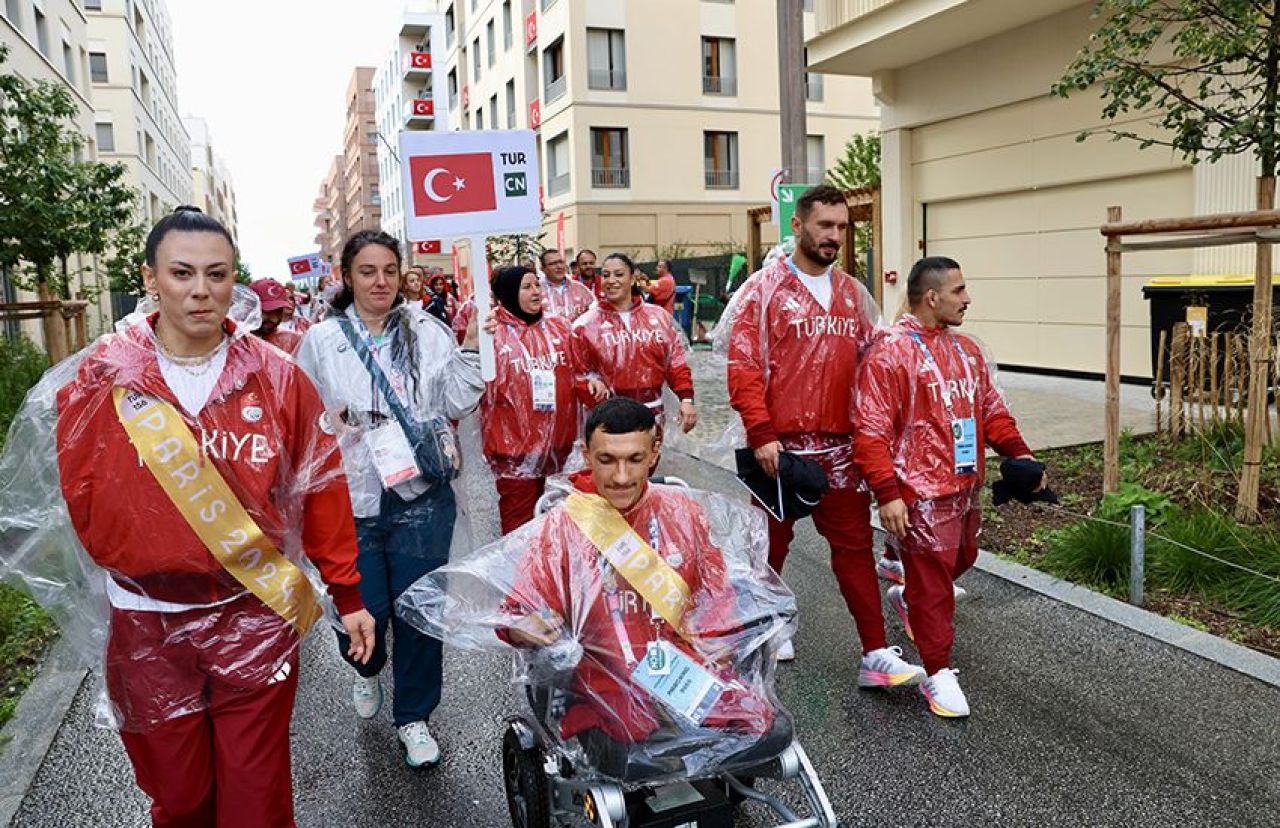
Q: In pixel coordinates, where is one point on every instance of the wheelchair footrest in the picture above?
(702, 803)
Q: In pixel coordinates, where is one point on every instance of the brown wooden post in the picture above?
(1111, 442)
(877, 251)
(1213, 378)
(1177, 376)
(1159, 386)
(1260, 360)
(753, 242)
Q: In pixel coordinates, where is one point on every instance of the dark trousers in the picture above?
(402, 544)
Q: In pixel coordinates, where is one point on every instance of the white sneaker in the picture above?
(885, 668)
(420, 746)
(897, 600)
(959, 592)
(891, 570)
(366, 696)
(944, 695)
(787, 652)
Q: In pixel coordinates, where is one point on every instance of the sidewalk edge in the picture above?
(1218, 650)
(27, 737)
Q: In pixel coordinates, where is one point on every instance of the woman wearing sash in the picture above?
(633, 347)
(197, 474)
(392, 378)
(529, 413)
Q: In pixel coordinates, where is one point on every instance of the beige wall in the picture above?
(663, 110)
(981, 164)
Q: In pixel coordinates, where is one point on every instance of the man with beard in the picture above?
(796, 338)
(587, 273)
(562, 296)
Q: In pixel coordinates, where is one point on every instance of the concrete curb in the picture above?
(26, 739)
(1218, 650)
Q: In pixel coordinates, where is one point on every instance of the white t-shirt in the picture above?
(192, 389)
(819, 286)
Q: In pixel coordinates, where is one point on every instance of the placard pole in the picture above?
(480, 284)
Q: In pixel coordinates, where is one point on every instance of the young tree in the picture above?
(1207, 72)
(52, 205)
(860, 164)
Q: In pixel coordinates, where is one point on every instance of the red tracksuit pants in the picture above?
(844, 519)
(941, 545)
(205, 699)
(517, 497)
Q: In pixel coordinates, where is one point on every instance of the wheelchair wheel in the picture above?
(528, 796)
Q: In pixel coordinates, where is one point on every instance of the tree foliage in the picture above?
(1205, 72)
(860, 164)
(52, 205)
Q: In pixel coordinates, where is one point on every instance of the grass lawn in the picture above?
(1188, 489)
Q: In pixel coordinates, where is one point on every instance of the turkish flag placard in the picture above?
(426, 247)
(421, 60)
(299, 267)
(449, 184)
(423, 106)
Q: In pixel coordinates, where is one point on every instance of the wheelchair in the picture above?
(545, 790)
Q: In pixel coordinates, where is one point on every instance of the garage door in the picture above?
(1036, 268)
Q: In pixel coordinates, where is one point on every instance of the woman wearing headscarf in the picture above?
(529, 413)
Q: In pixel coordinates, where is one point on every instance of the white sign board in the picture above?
(470, 183)
(306, 266)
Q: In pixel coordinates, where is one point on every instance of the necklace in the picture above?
(194, 365)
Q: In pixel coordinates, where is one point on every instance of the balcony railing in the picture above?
(557, 87)
(618, 177)
(607, 79)
(722, 179)
(558, 185)
(832, 14)
(813, 88)
(719, 85)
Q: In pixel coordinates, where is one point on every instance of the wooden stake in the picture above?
(1213, 378)
(1160, 376)
(1256, 418)
(1111, 441)
(1177, 376)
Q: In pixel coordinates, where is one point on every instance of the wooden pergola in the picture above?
(63, 322)
(864, 207)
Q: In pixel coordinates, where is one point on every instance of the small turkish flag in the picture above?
(448, 184)
(426, 247)
(299, 267)
(421, 60)
(423, 106)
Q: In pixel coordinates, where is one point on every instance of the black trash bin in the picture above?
(1229, 300)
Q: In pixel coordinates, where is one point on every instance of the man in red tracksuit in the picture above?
(793, 358)
(562, 296)
(928, 406)
(567, 587)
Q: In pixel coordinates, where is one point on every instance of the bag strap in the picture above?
(407, 423)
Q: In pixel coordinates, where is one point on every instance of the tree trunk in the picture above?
(52, 324)
(1255, 422)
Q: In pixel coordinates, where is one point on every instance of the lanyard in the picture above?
(943, 388)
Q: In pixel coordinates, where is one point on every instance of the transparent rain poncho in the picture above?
(595, 682)
(94, 536)
(903, 415)
(792, 363)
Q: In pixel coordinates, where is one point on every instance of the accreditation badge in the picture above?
(543, 382)
(392, 454)
(964, 439)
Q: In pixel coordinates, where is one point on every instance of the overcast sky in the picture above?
(269, 76)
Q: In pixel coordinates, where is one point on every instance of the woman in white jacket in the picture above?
(392, 378)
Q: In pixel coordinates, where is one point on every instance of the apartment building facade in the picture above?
(980, 163)
(48, 40)
(350, 197)
(658, 121)
(212, 189)
(135, 98)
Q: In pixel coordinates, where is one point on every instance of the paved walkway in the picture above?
(1054, 411)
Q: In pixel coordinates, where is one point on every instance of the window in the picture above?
(493, 111)
(815, 152)
(812, 82)
(475, 59)
(720, 153)
(606, 59)
(609, 166)
(719, 70)
(558, 164)
(480, 117)
(491, 40)
(13, 11)
(448, 28)
(98, 66)
(93, 5)
(453, 88)
(42, 31)
(105, 133)
(511, 104)
(68, 62)
(553, 70)
(507, 34)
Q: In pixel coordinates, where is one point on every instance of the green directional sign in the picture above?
(788, 195)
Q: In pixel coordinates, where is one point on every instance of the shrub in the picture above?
(1090, 552)
(1117, 505)
(21, 364)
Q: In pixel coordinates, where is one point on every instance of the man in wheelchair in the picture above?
(648, 616)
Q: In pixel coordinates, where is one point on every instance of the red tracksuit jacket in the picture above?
(563, 572)
(519, 441)
(634, 360)
(260, 428)
(569, 301)
(904, 445)
(792, 363)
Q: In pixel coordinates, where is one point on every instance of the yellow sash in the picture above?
(213, 511)
(634, 559)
